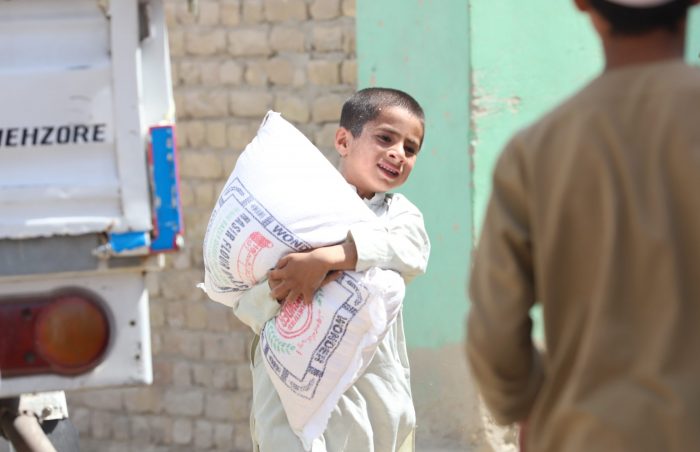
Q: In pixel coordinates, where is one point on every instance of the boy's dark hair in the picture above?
(365, 105)
(627, 20)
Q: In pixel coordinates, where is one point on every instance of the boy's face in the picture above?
(382, 157)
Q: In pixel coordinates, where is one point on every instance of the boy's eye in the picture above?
(384, 138)
(410, 151)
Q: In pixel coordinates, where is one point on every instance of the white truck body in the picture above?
(82, 84)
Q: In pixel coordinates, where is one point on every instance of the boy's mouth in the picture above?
(389, 170)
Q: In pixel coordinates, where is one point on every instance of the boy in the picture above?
(595, 214)
(380, 134)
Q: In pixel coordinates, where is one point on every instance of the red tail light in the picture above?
(65, 332)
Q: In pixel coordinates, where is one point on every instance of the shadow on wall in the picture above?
(450, 415)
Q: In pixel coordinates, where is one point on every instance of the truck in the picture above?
(89, 200)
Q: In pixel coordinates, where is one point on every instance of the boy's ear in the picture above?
(342, 141)
(582, 5)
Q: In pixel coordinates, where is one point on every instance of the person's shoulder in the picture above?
(399, 203)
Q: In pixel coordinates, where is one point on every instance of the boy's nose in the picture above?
(398, 153)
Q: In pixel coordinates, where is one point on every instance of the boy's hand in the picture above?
(301, 274)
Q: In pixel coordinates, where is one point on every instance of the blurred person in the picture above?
(595, 214)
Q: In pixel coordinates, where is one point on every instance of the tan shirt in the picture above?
(595, 213)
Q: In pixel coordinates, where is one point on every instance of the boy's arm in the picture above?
(256, 306)
(301, 274)
(504, 361)
(396, 242)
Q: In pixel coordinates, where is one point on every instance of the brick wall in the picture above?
(232, 62)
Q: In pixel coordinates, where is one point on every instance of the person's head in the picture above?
(635, 17)
(380, 134)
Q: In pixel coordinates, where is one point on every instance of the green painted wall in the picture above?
(526, 57)
(421, 47)
(513, 61)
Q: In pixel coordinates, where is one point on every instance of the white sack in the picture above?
(313, 353)
(283, 196)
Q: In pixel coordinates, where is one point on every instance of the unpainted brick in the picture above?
(227, 348)
(182, 374)
(205, 42)
(156, 342)
(140, 430)
(256, 74)
(327, 108)
(188, 402)
(210, 73)
(203, 434)
(202, 104)
(348, 72)
(293, 108)
(242, 439)
(348, 8)
(194, 133)
(176, 43)
(121, 428)
(349, 42)
(100, 425)
(324, 73)
(147, 399)
(253, 11)
(182, 431)
(250, 104)
(181, 259)
(81, 418)
(281, 71)
(106, 399)
(325, 137)
(184, 343)
(208, 13)
(196, 316)
(216, 134)
(217, 317)
(231, 73)
(202, 374)
(228, 162)
(196, 228)
(205, 195)
(175, 314)
(230, 12)
(170, 15)
(202, 165)
(226, 405)
(327, 38)
(161, 429)
(325, 9)
(285, 10)
(287, 39)
(175, 75)
(223, 377)
(184, 15)
(153, 281)
(244, 378)
(157, 311)
(223, 436)
(249, 42)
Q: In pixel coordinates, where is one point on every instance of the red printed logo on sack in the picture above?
(249, 253)
(294, 319)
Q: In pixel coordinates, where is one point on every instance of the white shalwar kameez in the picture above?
(376, 414)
